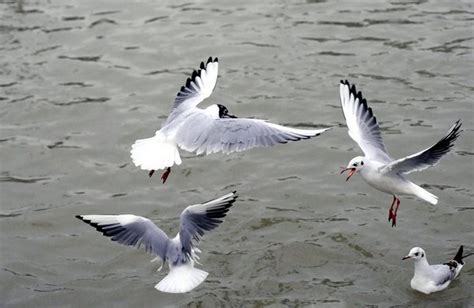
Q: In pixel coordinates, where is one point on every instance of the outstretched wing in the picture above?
(428, 157)
(199, 86)
(130, 230)
(362, 124)
(196, 219)
(204, 134)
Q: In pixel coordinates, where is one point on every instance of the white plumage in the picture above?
(209, 130)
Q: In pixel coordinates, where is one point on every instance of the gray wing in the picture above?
(203, 134)
(199, 86)
(196, 219)
(428, 157)
(441, 273)
(362, 124)
(130, 230)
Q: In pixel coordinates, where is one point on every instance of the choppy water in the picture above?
(81, 80)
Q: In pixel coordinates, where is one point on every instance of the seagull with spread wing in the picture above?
(180, 251)
(207, 130)
(377, 168)
(433, 278)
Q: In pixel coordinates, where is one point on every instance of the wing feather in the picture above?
(130, 230)
(203, 134)
(196, 219)
(428, 157)
(199, 86)
(362, 124)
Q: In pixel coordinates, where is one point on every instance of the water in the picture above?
(80, 81)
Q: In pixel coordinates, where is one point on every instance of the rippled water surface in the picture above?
(81, 80)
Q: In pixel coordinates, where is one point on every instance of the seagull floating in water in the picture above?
(208, 130)
(433, 278)
(377, 168)
(179, 252)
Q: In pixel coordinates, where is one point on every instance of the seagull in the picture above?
(377, 168)
(180, 251)
(433, 278)
(208, 130)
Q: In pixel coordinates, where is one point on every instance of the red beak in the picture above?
(406, 257)
(351, 172)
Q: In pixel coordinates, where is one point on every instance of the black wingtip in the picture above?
(353, 90)
(209, 60)
(458, 257)
(216, 59)
(457, 126)
(345, 82)
(202, 66)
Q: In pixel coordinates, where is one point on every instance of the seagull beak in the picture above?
(351, 172)
(231, 116)
(406, 257)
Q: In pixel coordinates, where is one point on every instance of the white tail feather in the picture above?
(424, 194)
(181, 279)
(155, 153)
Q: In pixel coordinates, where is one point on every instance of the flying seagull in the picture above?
(208, 130)
(433, 278)
(180, 251)
(377, 168)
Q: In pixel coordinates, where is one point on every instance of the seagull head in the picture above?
(218, 112)
(355, 165)
(415, 254)
(224, 113)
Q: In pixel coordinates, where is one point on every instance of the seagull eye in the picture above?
(416, 254)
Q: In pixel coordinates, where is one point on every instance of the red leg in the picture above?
(390, 211)
(151, 173)
(395, 214)
(165, 174)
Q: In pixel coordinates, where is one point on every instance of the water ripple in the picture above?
(81, 58)
(83, 100)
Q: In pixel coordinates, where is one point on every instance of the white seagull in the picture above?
(179, 252)
(433, 278)
(377, 168)
(207, 130)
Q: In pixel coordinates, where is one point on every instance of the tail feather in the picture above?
(424, 194)
(181, 279)
(155, 153)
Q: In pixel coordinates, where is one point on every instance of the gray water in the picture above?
(81, 80)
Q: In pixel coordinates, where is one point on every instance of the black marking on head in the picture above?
(222, 111)
(361, 163)
(422, 255)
